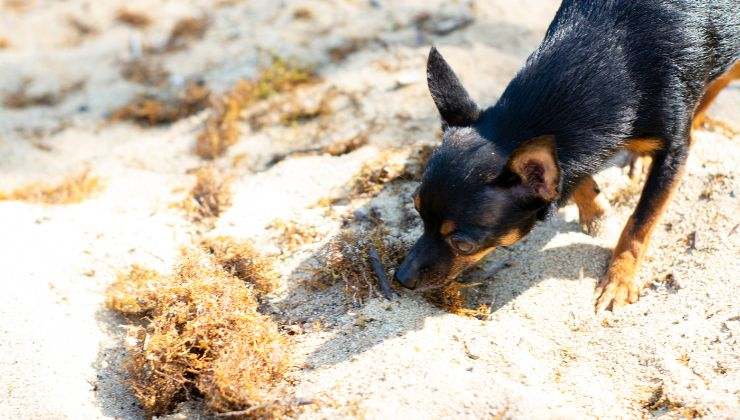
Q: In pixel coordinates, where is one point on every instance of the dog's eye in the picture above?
(461, 244)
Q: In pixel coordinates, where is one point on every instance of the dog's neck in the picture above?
(529, 108)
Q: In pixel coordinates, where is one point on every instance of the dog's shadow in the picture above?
(535, 259)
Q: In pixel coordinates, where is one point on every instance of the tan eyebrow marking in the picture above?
(448, 226)
(417, 201)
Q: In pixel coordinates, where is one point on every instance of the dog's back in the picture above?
(662, 31)
(683, 44)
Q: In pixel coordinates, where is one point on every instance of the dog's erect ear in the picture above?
(451, 98)
(535, 161)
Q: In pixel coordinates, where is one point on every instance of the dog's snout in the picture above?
(414, 269)
(427, 261)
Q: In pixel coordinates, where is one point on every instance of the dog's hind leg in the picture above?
(618, 287)
(710, 94)
(638, 167)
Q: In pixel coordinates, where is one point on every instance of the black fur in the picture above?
(452, 100)
(606, 72)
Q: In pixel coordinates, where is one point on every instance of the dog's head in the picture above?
(472, 198)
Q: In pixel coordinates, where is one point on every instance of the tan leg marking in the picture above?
(618, 287)
(713, 89)
(644, 145)
(642, 149)
(591, 205)
(639, 168)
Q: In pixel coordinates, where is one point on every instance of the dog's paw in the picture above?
(638, 170)
(594, 226)
(614, 291)
(593, 218)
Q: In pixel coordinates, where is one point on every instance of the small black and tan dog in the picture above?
(609, 75)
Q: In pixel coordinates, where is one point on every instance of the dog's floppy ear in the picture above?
(535, 162)
(452, 100)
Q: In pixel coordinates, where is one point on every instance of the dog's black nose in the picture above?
(405, 277)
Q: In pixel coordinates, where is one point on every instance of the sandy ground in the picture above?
(542, 353)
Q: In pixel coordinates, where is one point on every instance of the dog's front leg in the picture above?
(592, 206)
(618, 287)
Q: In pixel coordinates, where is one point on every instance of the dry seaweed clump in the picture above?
(292, 235)
(345, 261)
(715, 183)
(18, 6)
(135, 292)
(72, 189)
(210, 196)
(303, 13)
(81, 27)
(391, 166)
(347, 47)
(659, 402)
(186, 30)
(451, 298)
(417, 161)
(151, 109)
(133, 18)
(240, 259)
(290, 110)
(147, 71)
(374, 174)
(199, 334)
(221, 130)
(346, 146)
(24, 98)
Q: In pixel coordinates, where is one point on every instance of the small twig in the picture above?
(465, 348)
(385, 285)
(733, 230)
(468, 352)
